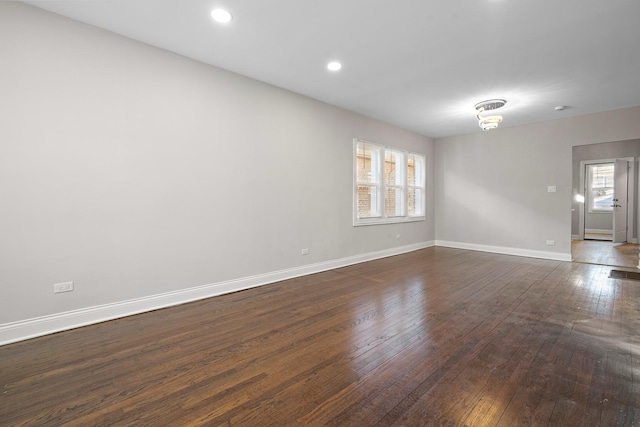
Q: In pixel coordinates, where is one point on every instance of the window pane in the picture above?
(602, 200)
(367, 163)
(393, 202)
(601, 187)
(415, 170)
(393, 169)
(415, 202)
(411, 170)
(368, 206)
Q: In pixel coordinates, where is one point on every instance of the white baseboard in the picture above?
(598, 231)
(556, 256)
(35, 327)
(633, 240)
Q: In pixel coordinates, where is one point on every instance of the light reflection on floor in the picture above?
(377, 320)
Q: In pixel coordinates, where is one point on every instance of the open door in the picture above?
(620, 201)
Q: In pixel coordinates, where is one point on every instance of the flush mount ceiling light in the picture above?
(221, 15)
(489, 122)
(334, 66)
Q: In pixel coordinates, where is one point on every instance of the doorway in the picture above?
(593, 242)
(597, 208)
(606, 200)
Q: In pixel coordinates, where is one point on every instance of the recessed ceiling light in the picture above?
(221, 15)
(334, 66)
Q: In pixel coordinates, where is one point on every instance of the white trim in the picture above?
(575, 237)
(598, 231)
(604, 239)
(388, 220)
(556, 256)
(631, 192)
(631, 196)
(39, 326)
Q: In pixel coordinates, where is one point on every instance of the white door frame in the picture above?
(631, 192)
(620, 201)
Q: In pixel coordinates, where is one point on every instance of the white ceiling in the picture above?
(419, 64)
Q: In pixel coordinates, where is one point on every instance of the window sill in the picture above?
(381, 221)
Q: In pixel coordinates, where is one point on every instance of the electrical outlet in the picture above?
(397, 236)
(62, 287)
(551, 242)
(305, 251)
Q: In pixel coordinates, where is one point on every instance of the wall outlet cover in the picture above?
(62, 287)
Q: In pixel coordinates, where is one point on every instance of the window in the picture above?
(368, 181)
(389, 184)
(394, 183)
(415, 184)
(600, 187)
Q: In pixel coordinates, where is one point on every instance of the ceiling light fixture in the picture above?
(489, 122)
(334, 66)
(221, 15)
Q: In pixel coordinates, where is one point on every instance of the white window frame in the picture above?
(418, 186)
(380, 184)
(400, 184)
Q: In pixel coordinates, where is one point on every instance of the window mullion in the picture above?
(383, 183)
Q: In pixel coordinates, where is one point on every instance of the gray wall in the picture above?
(606, 150)
(491, 187)
(133, 171)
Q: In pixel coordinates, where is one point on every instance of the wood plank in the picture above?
(438, 336)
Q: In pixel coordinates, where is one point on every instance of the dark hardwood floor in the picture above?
(435, 337)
